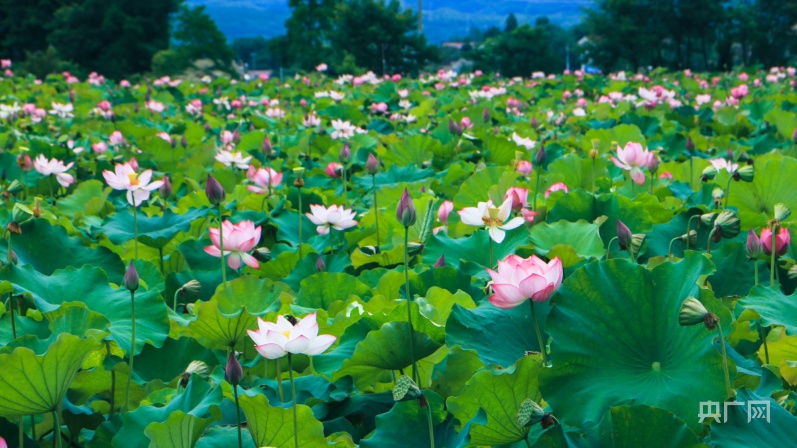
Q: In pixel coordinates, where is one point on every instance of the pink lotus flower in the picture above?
(520, 279)
(445, 209)
(116, 138)
(722, 164)
(559, 186)
(165, 137)
(466, 123)
(194, 107)
(524, 167)
(99, 148)
(633, 158)
(494, 219)
(124, 177)
(782, 241)
(5, 63)
(238, 240)
(334, 169)
(55, 168)
(264, 178)
(124, 83)
(226, 137)
(104, 105)
(275, 340)
(321, 67)
(666, 175)
(519, 197)
(335, 216)
(229, 159)
(740, 91)
(379, 108)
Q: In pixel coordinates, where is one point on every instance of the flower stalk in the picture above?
(293, 394)
(539, 333)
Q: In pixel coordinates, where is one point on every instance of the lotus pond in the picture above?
(449, 261)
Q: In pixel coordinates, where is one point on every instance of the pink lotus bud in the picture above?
(214, 191)
(372, 164)
(539, 158)
(233, 372)
(666, 175)
(345, 153)
(395, 78)
(465, 123)
(624, 236)
(24, 162)
(441, 262)
(454, 128)
(334, 169)
(99, 148)
(131, 278)
(133, 163)
(405, 211)
(755, 249)
(486, 115)
(519, 197)
(782, 241)
(524, 167)
(165, 189)
(266, 147)
(303, 102)
(320, 266)
(445, 209)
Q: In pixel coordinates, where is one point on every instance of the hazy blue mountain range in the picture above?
(442, 18)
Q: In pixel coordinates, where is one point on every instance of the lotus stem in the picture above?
(221, 248)
(415, 373)
(431, 425)
(293, 393)
(135, 226)
(755, 270)
(763, 341)
(669, 251)
(537, 188)
(710, 236)
(160, 255)
(343, 180)
(299, 189)
(376, 212)
(728, 388)
(238, 416)
(13, 319)
(772, 258)
(539, 334)
(728, 192)
(56, 429)
(688, 224)
(279, 381)
(132, 352)
(609, 248)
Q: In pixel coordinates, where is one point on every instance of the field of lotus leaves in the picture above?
(449, 261)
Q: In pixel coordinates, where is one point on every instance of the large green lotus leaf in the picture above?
(498, 394)
(474, 249)
(758, 421)
(772, 184)
(475, 329)
(180, 430)
(582, 236)
(578, 205)
(172, 358)
(273, 427)
(385, 349)
(455, 371)
(223, 437)
(782, 349)
(90, 285)
(447, 278)
(617, 340)
(257, 296)
(216, 330)
(576, 171)
(412, 150)
(638, 426)
(198, 398)
(154, 231)
(321, 289)
(35, 384)
(489, 183)
(621, 134)
(27, 325)
(88, 198)
(407, 425)
(393, 176)
(437, 304)
(76, 319)
(774, 307)
(47, 248)
(734, 275)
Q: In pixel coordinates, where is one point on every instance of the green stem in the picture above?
(609, 248)
(376, 212)
(238, 416)
(755, 269)
(669, 251)
(10, 249)
(689, 224)
(728, 191)
(160, 254)
(728, 388)
(763, 341)
(343, 180)
(13, 320)
(300, 222)
(536, 189)
(56, 429)
(691, 171)
(221, 248)
(279, 381)
(132, 352)
(710, 237)
(772, 258)
(293, 393)
(135, 226)
(431, 425)
(539, 334)
(113, 389)
(415, 373)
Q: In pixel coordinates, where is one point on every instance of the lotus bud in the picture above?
(755, 249)
(782, 212)
(131, 277)
(184, 142)
(262, 254)
(189, 290)
(24, 162)
(534, 123)
(691, 237)
(236, 136)
(372, 164)
(345, 153)
(136, 108)
(728, 225)
(486, 115)
(693, 312)
(539, 158)
(298, 175)
(320, 266)
(653, 164)
(707, 219)
(441, 262)
(406, 389)
(233, 372)
(165, 189)
(624, 236)
(196, 367)
(207, 127)
(405, 212)
(709, 173)
(454, 128)
(690, 145)
(266, 147)
(729, 154)
(214, 191)
(744, 173)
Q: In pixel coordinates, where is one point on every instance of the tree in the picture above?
(197, 37)
(25, 25)
(309, 28)
(511, 23)
(113, 37)
(380, 36)
(519, 53)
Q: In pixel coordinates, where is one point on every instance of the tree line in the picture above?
(119, 38)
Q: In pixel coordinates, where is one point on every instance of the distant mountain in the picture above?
(442, 18)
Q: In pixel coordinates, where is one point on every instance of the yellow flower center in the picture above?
(133, 178)
(287, 334)
(492, 219)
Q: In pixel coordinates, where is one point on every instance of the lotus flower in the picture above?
(335, 217)
(238, 240)
(62, 110)
(138, 186)
(55, 168)
(229, 158)
(445, 209)
(334, 169)
(633, 158)
(519, 279)
(275, 340)
(519, 197)
(264, 178)
(559, 186)
(492, 218)
(782, 241)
